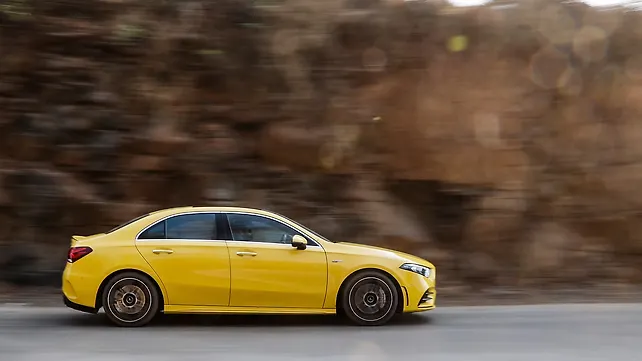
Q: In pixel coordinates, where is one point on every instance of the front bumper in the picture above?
(419, 293)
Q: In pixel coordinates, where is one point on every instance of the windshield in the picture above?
(128, 223)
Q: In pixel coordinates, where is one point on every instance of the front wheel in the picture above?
(370, 299)
(130, 300)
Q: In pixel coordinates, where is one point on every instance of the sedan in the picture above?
(230, 260)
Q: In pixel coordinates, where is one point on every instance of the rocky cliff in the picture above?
(502, 142)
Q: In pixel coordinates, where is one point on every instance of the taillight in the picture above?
(76, 253)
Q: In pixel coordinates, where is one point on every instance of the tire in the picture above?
(130, 300)
(369, 298)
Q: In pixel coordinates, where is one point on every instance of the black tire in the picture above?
(369, 298)
(130, 300)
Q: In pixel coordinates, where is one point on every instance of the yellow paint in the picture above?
(209, 276)
(279, 276)
(198, 272)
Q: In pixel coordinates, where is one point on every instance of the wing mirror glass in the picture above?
(299, 242)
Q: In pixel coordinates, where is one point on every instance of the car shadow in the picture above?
(100, 320)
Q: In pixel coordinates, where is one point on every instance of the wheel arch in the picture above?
(402, 296)
(101, 288)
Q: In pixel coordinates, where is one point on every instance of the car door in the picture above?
(192, 264)
(267, 271)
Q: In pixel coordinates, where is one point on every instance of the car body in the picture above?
(238, 260)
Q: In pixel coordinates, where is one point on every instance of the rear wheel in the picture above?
(130, 300)
(369, 299)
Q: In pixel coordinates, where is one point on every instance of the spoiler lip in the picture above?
(77, 238)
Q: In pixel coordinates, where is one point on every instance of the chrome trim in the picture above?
(296, 228)
(180, 240)
(241, 243)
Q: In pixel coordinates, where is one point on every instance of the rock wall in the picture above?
(502, 142)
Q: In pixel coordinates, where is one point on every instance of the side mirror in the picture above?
(299, 242)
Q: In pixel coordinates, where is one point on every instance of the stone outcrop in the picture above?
(502, 142)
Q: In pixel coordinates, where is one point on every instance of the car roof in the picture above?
(151, 217)
(173, 210)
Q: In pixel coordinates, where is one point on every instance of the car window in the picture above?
(156, 231)
(192, 226)
(252, 228)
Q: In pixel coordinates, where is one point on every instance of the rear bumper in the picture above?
(79, 286)
(78, 307)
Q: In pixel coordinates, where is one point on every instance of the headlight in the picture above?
(422, 270)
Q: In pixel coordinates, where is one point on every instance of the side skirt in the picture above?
(169, 309)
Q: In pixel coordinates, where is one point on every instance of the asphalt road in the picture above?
(588, 332)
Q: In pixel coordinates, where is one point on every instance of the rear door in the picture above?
(193, 264)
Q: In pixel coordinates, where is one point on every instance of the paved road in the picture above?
(514, 333)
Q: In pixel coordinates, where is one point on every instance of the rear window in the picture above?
(128, 223)
(192, 226)
(156, 231)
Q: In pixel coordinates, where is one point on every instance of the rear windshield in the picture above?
(128, 223)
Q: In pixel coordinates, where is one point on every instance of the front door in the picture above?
(267, 271)
(192, 264)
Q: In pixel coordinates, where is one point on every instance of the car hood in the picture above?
(385, 252)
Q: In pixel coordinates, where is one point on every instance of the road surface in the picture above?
(588, 332)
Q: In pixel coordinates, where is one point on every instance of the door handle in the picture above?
(251, 254)
(159, 251)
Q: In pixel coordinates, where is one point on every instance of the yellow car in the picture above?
(238, 260)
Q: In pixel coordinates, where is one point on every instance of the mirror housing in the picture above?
(299, 242)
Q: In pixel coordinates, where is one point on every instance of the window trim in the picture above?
(313, 243)
(303, 232)
(137, 239)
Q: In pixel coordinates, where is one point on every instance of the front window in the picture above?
(250, 228)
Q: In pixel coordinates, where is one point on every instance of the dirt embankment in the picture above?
(501, 142)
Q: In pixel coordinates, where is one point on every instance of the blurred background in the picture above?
(501, 140)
